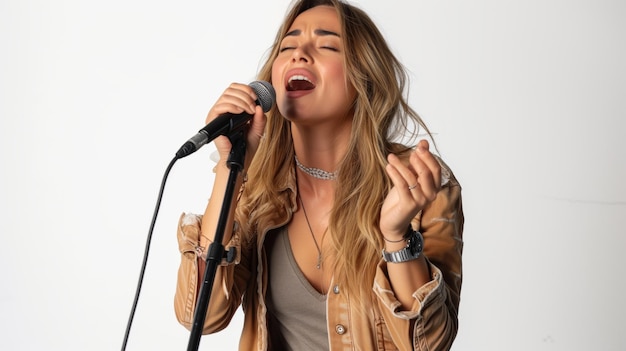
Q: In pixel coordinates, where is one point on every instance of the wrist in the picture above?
(395, 246)
(407, 249)
(392, 238)
(398, 238)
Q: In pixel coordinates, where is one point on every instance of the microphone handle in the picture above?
(224, 124)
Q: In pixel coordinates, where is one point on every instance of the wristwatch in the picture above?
(412, 251)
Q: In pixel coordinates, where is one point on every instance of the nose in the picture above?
(300, 55)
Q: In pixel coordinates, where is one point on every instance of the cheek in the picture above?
(337, 72)
(341, 85)
(278, 67)
(279, 86)
(336, 67)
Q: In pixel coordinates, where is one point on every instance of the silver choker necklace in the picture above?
(316, 172)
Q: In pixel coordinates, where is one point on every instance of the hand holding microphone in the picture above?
(236, 108)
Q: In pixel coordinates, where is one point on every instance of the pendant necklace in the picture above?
(319, 251)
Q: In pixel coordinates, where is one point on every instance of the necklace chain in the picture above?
(316, 172)
(319, 251)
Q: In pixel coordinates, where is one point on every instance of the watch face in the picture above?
(415, 243)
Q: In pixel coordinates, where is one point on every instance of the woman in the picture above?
(327, 191)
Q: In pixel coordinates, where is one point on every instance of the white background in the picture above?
(527, 99)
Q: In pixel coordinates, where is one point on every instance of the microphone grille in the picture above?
(265, 93)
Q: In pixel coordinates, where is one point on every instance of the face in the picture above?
(309, 74)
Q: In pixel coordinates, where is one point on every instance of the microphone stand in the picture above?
(215, 252)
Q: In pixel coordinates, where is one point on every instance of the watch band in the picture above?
(412, 251)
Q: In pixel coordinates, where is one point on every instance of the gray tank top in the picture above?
(296, 311)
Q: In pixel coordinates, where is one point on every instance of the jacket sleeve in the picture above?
(228, 287)
(432, 322)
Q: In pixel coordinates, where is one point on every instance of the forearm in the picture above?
(214, 208)
(406, 277)
(215, 204)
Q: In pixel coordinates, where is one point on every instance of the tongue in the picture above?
(300, 85)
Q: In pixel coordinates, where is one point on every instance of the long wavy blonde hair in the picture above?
(381, 118)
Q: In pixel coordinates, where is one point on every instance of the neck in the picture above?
(320, 148)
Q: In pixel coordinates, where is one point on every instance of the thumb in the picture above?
(257, 127)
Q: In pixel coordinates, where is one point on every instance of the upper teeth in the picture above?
(299, 77)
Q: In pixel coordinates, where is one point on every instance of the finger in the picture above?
(243, 92)
(424, 178)
(408, 193)
(395, 176)
(428, 171)
(257, 127)
(237, 98)
(408, 177)
(431, 162)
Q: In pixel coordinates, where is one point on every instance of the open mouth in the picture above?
(299, 82)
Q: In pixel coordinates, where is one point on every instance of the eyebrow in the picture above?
(320, 32)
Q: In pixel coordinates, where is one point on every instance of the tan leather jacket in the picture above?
(431, 324)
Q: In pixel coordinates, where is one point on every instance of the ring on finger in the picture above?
(413, 186)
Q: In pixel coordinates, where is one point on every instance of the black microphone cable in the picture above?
(146, 252)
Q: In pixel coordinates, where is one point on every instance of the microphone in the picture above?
(227, 123)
